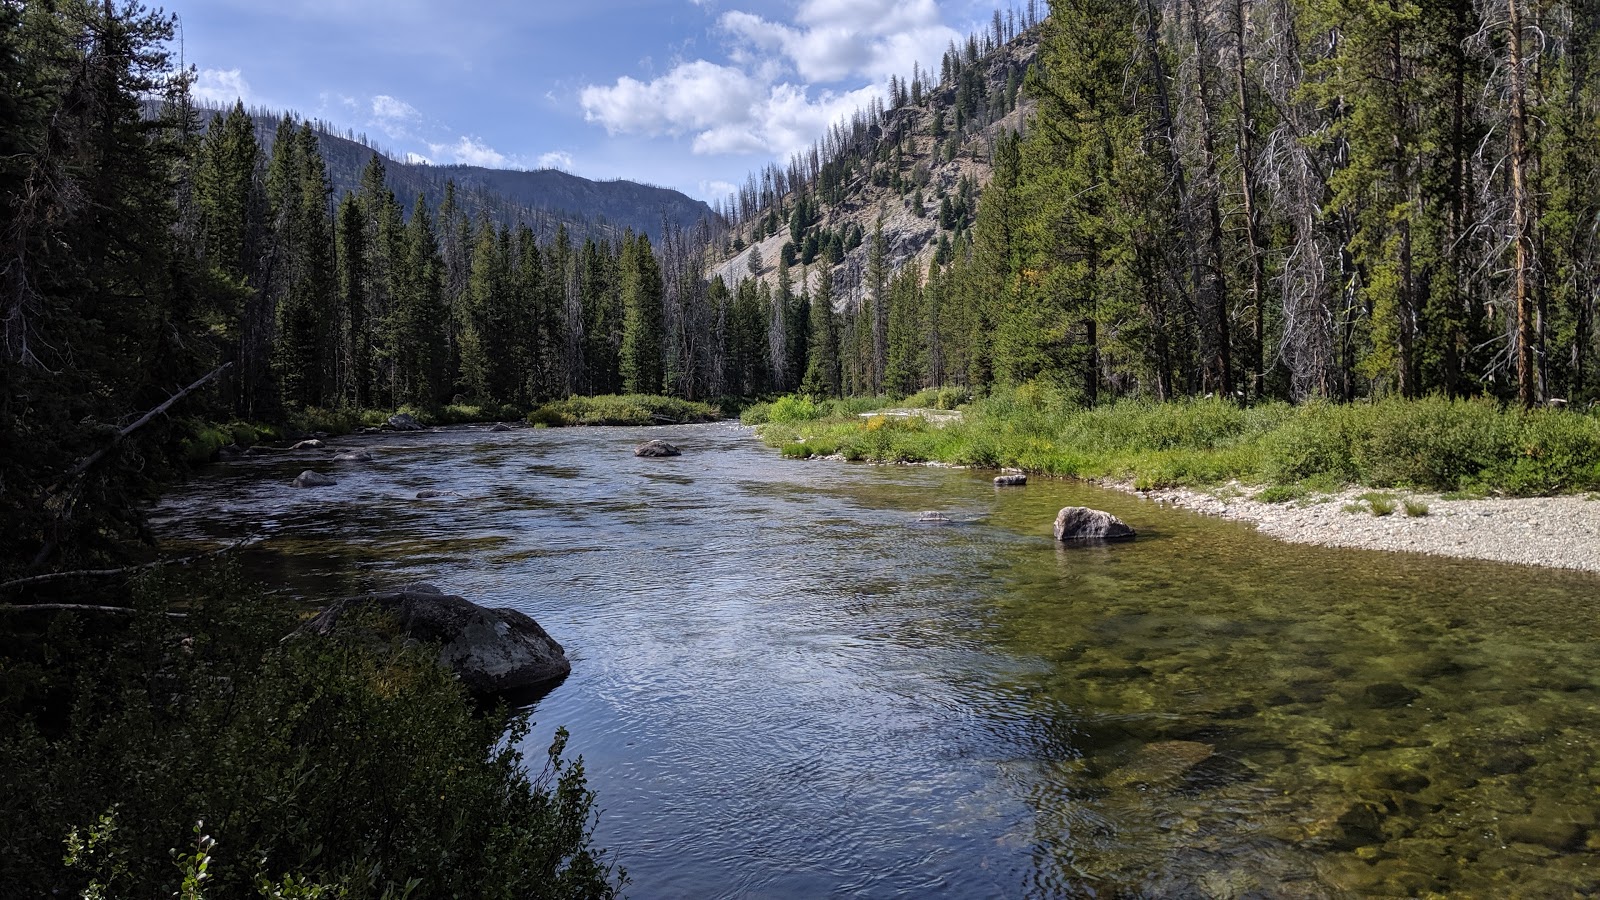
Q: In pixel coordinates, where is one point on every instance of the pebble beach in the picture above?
(1556, 532)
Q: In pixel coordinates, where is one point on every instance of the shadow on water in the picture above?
(785, 687)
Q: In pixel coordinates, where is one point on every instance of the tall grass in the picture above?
(1430, 444)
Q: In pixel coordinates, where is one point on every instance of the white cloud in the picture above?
(417, 159)
(784, 82)
(837, 39)
(556, 159)
(221, 86)
(469, 151)
(387, 109)
(717, 189)
(691, 97)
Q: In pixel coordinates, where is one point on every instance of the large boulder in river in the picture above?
(493, 651)
(656, 449)
(310, 479)
(1080, 523)
(404, 422)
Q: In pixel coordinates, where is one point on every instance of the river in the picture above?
(785, 687)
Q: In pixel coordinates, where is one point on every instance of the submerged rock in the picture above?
(1161, 764)
(1017, 480)
(493, 651)
(656, 448)
(312, 444)
(431, 494)
(934, 518)
(404, 422)
(232, 451)
(1080, 523)
(310, 479)
(354, 456)
(500, 426)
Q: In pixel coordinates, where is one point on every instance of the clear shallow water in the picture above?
(784, 687)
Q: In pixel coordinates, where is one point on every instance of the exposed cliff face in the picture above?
(920, 178)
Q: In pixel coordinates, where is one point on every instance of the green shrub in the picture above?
(1415, 509)
(793, 409)
(348, 762)
(632, 409)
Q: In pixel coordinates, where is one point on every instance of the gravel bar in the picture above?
(1557, 532)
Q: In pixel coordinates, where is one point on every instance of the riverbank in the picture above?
(1450, 478)
(1554, 532)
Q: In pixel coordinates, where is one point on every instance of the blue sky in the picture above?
(690, 94)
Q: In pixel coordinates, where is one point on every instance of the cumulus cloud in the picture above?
(835, 39)
(556, 159)
(221, 86)
(469, 151)
(784, 82)
(691, 97)
(417, 159)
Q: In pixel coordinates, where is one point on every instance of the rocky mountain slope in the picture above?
(918, 173)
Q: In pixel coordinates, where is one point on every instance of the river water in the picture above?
(784, 686)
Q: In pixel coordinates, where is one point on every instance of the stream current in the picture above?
(784, 686)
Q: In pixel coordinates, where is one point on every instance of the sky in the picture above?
(687, 94)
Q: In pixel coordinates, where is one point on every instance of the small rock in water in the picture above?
(404, 422)
(1389, 695)
(1080, 523)
(500, 426)
(933, 518)
(354, 456)
(1010, 480)
(310, 479)
(312, 444)
(656, 449)
(431, 494)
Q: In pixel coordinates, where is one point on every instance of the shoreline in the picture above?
(1560, 532)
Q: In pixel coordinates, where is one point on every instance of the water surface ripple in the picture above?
(784, 687)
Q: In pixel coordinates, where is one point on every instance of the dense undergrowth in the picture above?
(1473, 447)
(629, 409)
(349, 767)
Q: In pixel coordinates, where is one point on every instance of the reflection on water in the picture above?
(784, 687)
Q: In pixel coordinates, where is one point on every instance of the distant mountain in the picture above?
(542, 198)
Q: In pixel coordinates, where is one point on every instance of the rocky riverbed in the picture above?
(1559, 532)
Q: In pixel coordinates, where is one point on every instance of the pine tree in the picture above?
(640, 358)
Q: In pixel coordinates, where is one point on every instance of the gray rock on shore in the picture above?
(1080, 523)
(404, 422)
(492, 651)
(656, 449)
(310, 479)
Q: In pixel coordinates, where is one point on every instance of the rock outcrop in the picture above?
(493, 651)
(310, 479)
(1080, 523)
(656, 448)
